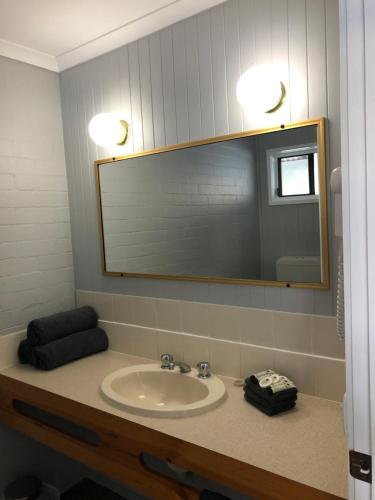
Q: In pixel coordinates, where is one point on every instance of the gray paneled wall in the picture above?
(180, 84)
(36, 266)
(191, 211)
(285, 230)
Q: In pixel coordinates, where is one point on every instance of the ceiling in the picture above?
(58, 34)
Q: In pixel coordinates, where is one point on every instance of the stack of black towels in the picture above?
(61, 338)
(270, 392)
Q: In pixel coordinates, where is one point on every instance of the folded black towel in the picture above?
(212, 495)
(270, 410)
(43, 330)
(276, 403)
(67, 349)
(266, 393)
(25, 352)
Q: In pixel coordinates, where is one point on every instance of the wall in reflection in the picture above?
(285, 230)
(205, 211)
(192, 211)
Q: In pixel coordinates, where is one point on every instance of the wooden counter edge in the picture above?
(121, 443)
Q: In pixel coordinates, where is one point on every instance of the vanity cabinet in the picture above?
(115, 446)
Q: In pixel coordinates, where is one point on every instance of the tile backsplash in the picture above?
(236, 340)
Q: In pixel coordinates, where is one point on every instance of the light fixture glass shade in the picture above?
(260, 90)
(108, 130)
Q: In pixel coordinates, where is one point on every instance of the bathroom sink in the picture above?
(152, 391)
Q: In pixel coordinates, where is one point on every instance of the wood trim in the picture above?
(324, 284)
(121, 443)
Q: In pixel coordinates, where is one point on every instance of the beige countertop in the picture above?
(306, 444)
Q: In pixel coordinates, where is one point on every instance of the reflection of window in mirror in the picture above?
(293, 175)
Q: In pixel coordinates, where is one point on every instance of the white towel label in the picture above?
(276, 382)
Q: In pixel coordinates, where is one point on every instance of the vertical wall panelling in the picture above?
(168, 87)
(205, 74)
(157, 96)
(146, 95)
(125, 100)
(317, 95)
(280, 50)
(180, 83)
(298, 89)
(233, 64)
(183, 80)
(219, 71)
(247, 45)
(193, 79)
(135, 92)
(333, 105)
(316, 57)
(263, 47)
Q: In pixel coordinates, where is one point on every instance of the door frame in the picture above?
(357, 37)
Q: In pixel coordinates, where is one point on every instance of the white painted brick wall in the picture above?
(191, 211)
(36, 267)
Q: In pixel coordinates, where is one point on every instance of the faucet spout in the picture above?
(184, 367)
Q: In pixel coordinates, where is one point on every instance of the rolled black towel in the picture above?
(43, 330)
(25, 352)
(67, 349)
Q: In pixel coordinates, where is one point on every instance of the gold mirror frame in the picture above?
(324, 284)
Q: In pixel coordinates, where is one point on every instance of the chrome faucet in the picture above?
(166, 360)
(204, 370)
(168, 363)
(184, 367)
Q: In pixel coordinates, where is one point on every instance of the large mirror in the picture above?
(244, 208)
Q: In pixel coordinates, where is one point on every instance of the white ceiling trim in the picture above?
(134, 30)
(171, 13)
(27, 55)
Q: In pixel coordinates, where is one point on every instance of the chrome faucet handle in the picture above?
(204, 369)
(166, 360)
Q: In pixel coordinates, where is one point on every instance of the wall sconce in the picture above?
(260, 90)
(108, 130)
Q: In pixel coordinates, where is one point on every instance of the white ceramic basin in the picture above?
(151, 391)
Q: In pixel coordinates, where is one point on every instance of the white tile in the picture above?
(195, 318)
(223, 322)
(144, 342)
(168, 314)
(225, 358)
(292, 332)
(256, 359)
(196, 349)
(141, 342)
(143, 311)
(299, 368)
(103, 303)
(133, 340)
(171, 343)
(85, 298)
(8, 348)
(330, 378)
(118, 341)
(123, 309)
(325, 340)
(256, 326)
